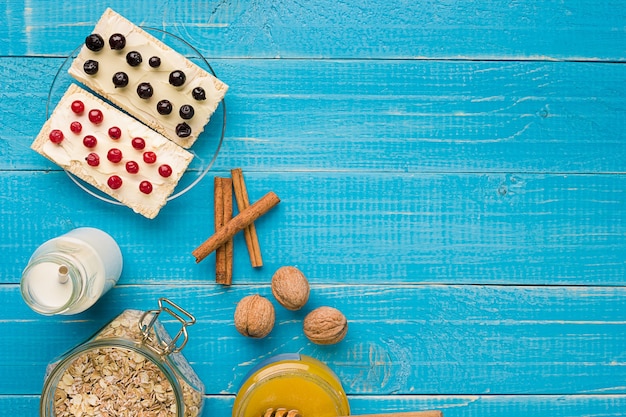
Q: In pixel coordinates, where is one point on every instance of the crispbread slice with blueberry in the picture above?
(148, 79)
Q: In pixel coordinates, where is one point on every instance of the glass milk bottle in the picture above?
(68, 274)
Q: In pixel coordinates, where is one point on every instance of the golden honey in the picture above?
(292, 381)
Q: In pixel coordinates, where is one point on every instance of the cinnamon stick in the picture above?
(223, 212)
(218, 220)
(236, 224)
(249, 232)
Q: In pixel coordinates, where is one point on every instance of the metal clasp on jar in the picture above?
(159, 346)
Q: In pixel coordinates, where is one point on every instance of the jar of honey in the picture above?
(293, 382)
(132, 366)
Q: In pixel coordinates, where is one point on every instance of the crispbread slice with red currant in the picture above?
(112, 151)
(148, 79)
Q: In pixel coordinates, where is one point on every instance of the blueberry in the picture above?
(183, 130)
(164, 107)
(186, 111)
(177, 78)
(94, 42)
(117, 41)
(155, 62)
(90, 67)
(144, 90)
(198, 93)
(133, 58)
(120, 79)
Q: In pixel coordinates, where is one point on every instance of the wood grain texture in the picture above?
(452, 176)
(400, 116)
(399, 29)
(422, 339)
(352, 228)
(455, 406)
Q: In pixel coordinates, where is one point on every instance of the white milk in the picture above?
(68, 274)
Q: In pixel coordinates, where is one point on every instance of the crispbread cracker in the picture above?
(112, 61)
(71, 152)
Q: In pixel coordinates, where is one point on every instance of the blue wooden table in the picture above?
(452, 177)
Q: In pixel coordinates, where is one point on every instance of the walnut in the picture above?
(290, 287)
(325, 326)
(254, 316)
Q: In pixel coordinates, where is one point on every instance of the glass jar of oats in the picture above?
(130, 367)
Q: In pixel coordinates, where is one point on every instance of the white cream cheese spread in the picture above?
(147, 77)
(112, 151)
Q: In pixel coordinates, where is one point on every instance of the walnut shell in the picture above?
(290, 287)
(254, 316)
(325, 326)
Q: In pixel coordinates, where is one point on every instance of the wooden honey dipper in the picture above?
(283, 412)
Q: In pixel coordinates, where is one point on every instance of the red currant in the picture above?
(96, 116)
(165, 170)
(93, 159)
(114, 182)
(56, 136)
(90, 141)
(76, 127)
(138, 143)
(115, 132)
(149, 157)
(132, 167)
(114, 155)
(145, 187)
(78, 107)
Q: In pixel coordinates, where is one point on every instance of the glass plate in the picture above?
(205, 149)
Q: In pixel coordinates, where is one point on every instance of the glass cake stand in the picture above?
(206, 147)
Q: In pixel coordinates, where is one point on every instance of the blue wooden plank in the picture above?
(417, 339)
(353, 228)
(402, 29)
(484, 405)
(402, 116)
(452, 406)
